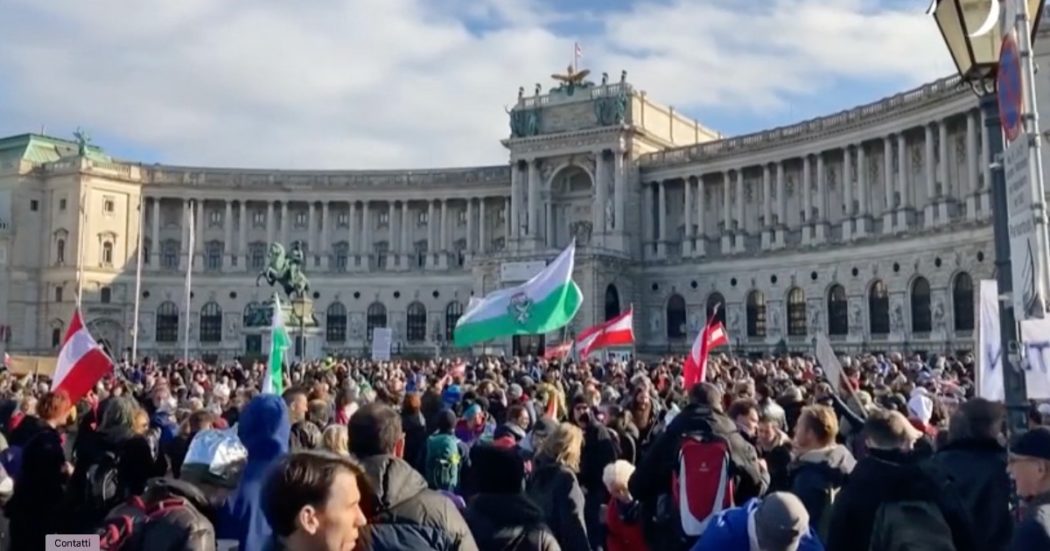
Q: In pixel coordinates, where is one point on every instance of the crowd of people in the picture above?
(525, 454)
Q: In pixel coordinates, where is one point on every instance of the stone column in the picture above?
(741, 234)
(482, 234)
(972, 170)
(227, 244)
(807, 203)
(515, 203)
(687, 241)
(648, 224)
(432, 233)
(888, 184)
(767, 208)
(391, 242)
(942, 172)
(930, 166)
(862, 192)
(284, 223)
(367, 224)
(821, 200)
(847, 185)
(727, 216)
(701, 207)
(353, 239)
(985, 208)
(326, 247)
(270, 223)
(444, 233)
(184, 245)
(601, 185)
(902, 182)
(661, 219)
(548, 223)
(242, 235)
(472, 238)
(406, 234)
(198, 243)
(154, 238)
(534, 199)
(506, 221)
(620, 192)
(781, 225)
(311, 225)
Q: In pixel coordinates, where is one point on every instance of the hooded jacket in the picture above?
(816, 474)
(264, 430)
(409, 515)
(729, 530)
(509, 522)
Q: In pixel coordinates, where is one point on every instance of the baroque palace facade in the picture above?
(871, 225)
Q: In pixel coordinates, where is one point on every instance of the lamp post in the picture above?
(301, 310)
(973, 33)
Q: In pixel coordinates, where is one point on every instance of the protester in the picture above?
(1030, 471)
(777, 522)
(623, 514)
(555, 488)
(821, 466)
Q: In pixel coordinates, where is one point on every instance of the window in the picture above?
(257, 255)
(253, 345)
(211, 323)
(61, 204)
(499, 244)
(460, 247)
(452, 313)
(962, 302)
(335, 323)
(259, 218)
(796, 313)
(107, 253)
(215, 218)
(716, 306)
(756, 314)
(921, 315)
(145, 252)
(34, 205)
(384, 218)
(375, 317)
(381, 249)
(421, 254)
(612, 302)
(105, 294)
(501, 214)
(58, 293)
(109, 206)
(257, 314)
(300, 219)
(838, 315)
(879, 309)
(169, 254)
(461, 217)
(416, 324)
(56, 337)
(676, 317)
(422, 218)
(167, 322)
(60, 251)
(342, 256)
(342, 220)
(213, 256)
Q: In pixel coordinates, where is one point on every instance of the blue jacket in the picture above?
(264, 429)
(728, 532)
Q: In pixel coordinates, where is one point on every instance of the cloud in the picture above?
(414, 83)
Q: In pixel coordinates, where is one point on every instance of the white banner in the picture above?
(830, 362)
(1035, 336)
(381, 340)
(1027, 236)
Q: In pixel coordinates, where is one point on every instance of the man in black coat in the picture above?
(652, 480)
(599, 450)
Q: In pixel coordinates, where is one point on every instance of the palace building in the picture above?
(871, 225)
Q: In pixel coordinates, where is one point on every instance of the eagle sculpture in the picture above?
(571, 76)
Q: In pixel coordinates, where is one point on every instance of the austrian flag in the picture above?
(618, 331)
(81, 361)
(712, 336)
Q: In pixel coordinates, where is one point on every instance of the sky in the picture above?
(376, 84)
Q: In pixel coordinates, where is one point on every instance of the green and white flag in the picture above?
(273, 382)
(542, 304)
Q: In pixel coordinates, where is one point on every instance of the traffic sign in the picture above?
(1008, 84)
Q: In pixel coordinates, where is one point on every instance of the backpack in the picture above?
(170, 522)
(102, 490)
(443, 460)
(702, 486)
(910, 525)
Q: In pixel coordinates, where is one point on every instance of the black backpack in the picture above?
(102, 489)
(171, 516)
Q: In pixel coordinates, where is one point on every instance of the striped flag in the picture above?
(713, 335)
(273, 383)
(81, 361)
(617, 331)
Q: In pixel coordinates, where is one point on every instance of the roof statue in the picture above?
(571, 80)
(83, 139)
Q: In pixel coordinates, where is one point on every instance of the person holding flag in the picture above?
(712, 336)
(273, 381)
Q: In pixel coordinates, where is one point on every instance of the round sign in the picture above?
(1008, 84)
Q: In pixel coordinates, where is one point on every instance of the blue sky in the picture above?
(417, 83)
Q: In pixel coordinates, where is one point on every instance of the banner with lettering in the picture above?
(1035, 336)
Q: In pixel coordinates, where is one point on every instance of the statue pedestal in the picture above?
(299, 312)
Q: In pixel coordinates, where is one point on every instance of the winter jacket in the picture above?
(977, 469)
(35, 508)
(182, 525)
(264, 430)
(778, 459)
(554, 488)
(816, 475)
(509, 522)
(1033, 532)
(623, 525)
(729, 532)
(409, 515)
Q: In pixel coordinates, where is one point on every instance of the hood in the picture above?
(694, 414)
(264, 428)
(836, 459)
(395, 481)
(507, 509)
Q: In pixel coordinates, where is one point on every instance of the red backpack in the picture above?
(702, 486)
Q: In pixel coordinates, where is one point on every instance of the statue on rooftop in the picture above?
(83, 139)
(572, 79)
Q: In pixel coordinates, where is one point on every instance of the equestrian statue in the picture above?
(286, 270)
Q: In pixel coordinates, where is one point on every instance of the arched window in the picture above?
(796, 313)
(211, 323)
(452, 313)
(56, 337)
(838, 311)
(676, 317)
(375, 317)
(612, 302)
(879, 308)
(167, 322)
(107, 253)
(105, 295)
(756, 314)
(335, 323)
(416, 323)
(60, 251)
(921, 316)
(715, 300)
(962, 302)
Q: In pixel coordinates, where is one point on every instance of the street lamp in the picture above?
(301, 309)
(973, 32)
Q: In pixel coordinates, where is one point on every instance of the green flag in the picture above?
(273, 383)
(544, 303)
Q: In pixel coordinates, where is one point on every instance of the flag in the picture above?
(617, 331)
(273, 383)
(713, 335)
(557, 352)
(578, 51)
(81, 362)
(542, 304)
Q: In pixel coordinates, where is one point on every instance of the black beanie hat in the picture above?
(499, 470)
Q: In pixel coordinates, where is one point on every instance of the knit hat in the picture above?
(515, 391)
(1034, 443)
(920, 407)
(498, 470)
(780, 522)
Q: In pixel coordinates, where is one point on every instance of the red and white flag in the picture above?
(615, 332)
(81, 361)
(558, 352)
(713, 335)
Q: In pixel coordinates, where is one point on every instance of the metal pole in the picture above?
(1013, 377)
(138, 282)
(189, 280)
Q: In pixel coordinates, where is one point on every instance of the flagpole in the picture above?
(138, 282)
(189, 281)
(80, 250)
